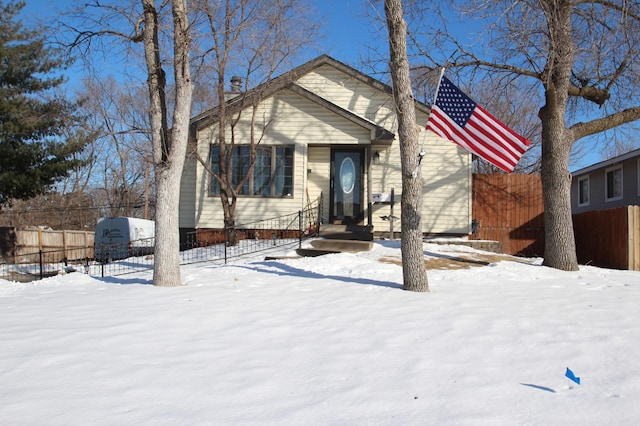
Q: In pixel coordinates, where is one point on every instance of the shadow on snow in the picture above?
(288, 270)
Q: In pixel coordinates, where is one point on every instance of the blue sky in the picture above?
(344, 23)
(347, 29)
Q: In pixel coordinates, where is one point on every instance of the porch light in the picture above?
(376, 157)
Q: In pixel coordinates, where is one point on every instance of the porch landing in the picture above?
(338, 239)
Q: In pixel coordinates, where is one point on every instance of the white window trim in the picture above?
(606, 173)
(583, 178)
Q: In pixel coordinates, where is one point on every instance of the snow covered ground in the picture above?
(331, 340)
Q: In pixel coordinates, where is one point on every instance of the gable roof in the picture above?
(378, 132)
(288, 81)
(607, 163)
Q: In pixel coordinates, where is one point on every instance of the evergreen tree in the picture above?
(32, 155)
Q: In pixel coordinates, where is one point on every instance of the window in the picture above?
(262, 172)
(613, 183)
(583, 191)
(272, 171)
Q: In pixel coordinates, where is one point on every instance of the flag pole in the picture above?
(435, 97)
(424, 139)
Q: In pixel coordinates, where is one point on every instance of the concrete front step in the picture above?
(312, 252)
(352, 246)
(347, 232)
(321, 247)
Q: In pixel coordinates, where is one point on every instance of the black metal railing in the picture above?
(199, 246)
(26, 267)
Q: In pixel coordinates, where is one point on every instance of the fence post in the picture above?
(319, 217)
(225, 243)
(300, 229)
(41, 266)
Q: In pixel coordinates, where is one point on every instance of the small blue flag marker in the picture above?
(569, 374)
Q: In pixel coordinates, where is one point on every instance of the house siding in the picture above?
(351, 94)
(318, 175)
(320, 127)
(188, 193)
(446, 185)
(446, 171)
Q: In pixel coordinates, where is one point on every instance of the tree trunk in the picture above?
(559, 243)
(413, 269)
(229, 210)
(166, 268)
(557, 140)
(169, 147)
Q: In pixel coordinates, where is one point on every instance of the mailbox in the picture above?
(383, 197)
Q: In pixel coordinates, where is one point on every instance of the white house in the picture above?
(325, 128)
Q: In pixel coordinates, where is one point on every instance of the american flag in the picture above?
(457, 118)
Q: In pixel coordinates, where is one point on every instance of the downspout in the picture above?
(369, 190)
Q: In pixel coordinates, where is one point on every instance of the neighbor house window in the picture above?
(613, 183)
(272, 174)
(583, 191)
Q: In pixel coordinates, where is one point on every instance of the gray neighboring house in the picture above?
(608, 184)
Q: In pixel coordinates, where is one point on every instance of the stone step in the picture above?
(347, 232)
(352, 246)
(312, 252)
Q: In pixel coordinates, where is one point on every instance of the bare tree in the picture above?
(413, 269)
(169, 113)
(169, 146)
(619, 145)
(121, 154)
(254, 40)
(582, 56)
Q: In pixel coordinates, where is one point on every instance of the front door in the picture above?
(346, 202)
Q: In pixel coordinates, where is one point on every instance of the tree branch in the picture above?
(620, 8)
(598, 125)
(501, 67)
(590, 93)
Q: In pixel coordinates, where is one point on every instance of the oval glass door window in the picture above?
(347, 175)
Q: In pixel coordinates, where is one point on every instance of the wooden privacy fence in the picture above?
(609, 238)
(19, 245)
(509, 209)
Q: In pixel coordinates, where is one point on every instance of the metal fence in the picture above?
(199, 246)
(42, 264)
